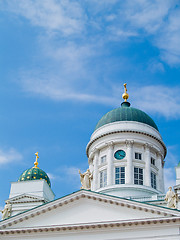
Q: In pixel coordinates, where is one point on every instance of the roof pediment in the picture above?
(86, 207)
(25, 198)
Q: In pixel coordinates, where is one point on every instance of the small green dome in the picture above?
(126, 113)
(34, 173)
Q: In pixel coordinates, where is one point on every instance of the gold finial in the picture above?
(125, 95)
(36, 162)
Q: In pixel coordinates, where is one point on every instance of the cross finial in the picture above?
(125, 95)
(36, 162)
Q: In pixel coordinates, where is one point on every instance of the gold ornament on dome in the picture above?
(125, 95)
(36, 162)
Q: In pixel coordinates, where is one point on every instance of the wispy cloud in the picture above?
(155, 66)
(47, 85)
(52, 176)
(159, 100)
(71, 173)
(172, 160)
(9, 156)
(62, 16)
(145, 14)
(70, 72)
(169, 178)
(158, 19)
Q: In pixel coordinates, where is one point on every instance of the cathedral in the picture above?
(122, 194)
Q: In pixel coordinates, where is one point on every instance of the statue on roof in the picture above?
(171, 198)
(6, 212)
(86, 179)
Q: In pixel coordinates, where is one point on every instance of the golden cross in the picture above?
(36, 162)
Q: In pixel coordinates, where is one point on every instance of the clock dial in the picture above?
(120, 154)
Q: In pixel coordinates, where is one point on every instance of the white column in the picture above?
(110, 164)
(163, 187)
(160, 181)
(95, 172)
(147, 174)
(129, 157)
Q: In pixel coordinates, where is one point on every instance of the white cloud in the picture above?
(169, 178)
(156, 20)
(8, 156)
(52, 176)
(155, 66)
(71, 173)
(172, 160)
(145, 14)
(159, 99)
(168, 39)
(73, 58)
(64, 16)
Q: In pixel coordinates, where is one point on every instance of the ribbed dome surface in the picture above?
(126, 113)
(34, 174)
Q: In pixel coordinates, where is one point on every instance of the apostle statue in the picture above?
(171, 198)
(6, 212)
(86, 179)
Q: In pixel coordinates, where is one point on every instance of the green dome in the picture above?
(34, 173)
(126, 113)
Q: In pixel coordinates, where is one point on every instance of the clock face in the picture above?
(120, 154)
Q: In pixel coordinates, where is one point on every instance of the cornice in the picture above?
(125, 131)
(164, 212)
(29, 199)
(95, 225)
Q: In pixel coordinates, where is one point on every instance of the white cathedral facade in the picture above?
(122, 195)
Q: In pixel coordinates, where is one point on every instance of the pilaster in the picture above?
(129, 157)
(147, 158)
(95, 173)
(110, 163)
(160, 180)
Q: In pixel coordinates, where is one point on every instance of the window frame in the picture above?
(153, 180)
(138, 176)
(103, 178)
(153, 161)
(103, 161)
(120, 175)
(138, 156)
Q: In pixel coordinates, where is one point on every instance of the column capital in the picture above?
(147, 146)
(110, 144)
(90, 160)
(159, 155)
(129, 143)
(96, 151)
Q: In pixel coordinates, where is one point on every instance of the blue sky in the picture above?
(62, 67)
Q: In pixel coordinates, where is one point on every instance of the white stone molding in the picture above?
(82, 194)
(129, 157)
(152, 133)
(88, 227)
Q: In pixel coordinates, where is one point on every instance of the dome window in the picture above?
(138, 176)
(120, 175)
(103, 178)
(103, 159)
(153, 180)
(153, 161)
(138, 156)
